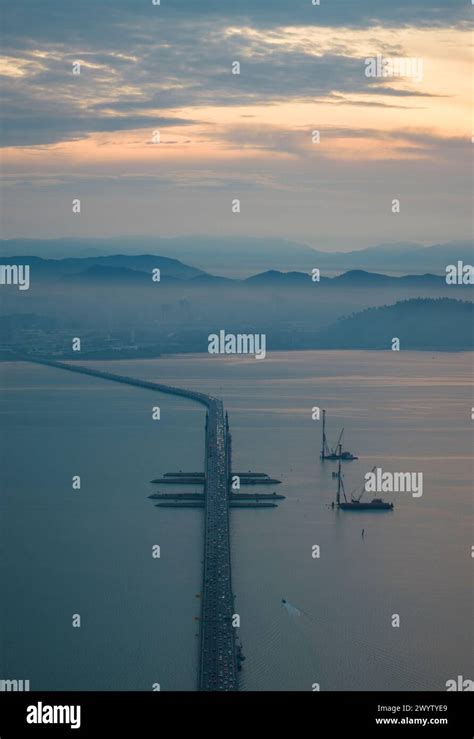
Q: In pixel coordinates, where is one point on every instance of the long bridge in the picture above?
(218, 669)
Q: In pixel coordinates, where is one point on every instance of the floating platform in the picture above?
(198, 478)
(177, 504)
(201, 474)
(177, 496)
(238, 504)
(244, 497)
(200, 504)
(181, 480)
(257, 480)
(183, 474)
(256, 496)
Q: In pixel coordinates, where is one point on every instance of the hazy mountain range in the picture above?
(114, 296)
(244, 256)
(133, 270)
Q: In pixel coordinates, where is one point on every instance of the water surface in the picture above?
(89, 551)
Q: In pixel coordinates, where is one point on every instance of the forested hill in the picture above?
(443, 324)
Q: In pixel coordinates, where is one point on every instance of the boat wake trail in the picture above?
(292, 611)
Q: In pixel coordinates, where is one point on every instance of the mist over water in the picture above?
(89, 551)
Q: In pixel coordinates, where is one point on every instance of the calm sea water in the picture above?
(89, 551)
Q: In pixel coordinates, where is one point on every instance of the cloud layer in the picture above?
(145, 68)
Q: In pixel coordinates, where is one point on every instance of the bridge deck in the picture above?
(218, 659)
(218, 649)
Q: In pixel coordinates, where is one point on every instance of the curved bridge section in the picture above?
(218, 661)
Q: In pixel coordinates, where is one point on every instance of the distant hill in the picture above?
(353, 278)
(361, 278)
(274, 278)
(238, 256)
(422, 323)
(118, 267)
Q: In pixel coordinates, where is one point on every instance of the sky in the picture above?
(167, 68)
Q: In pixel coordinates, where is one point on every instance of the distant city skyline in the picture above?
(248, 136)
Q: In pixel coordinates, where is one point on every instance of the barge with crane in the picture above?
(336, 452)
(356, 504)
